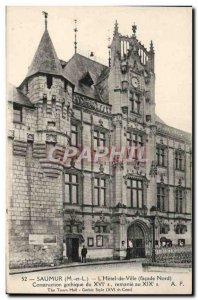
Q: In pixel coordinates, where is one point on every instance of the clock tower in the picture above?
(132, 78)
(132, 96)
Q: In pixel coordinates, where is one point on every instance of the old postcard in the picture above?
(99, 150)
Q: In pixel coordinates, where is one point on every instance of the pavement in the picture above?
(74, 264)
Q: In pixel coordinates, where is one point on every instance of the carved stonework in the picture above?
(11, 134)
(153, 169)
(101, 168)
(120, 219)
(100, 122)
(30, 137)
(153, 131)
(117, 121)
(52, 138)
(118, 164)
(88, 103)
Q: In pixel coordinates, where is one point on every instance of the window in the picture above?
(17, 113)
(179, 201)
(49, 81)
(161, 154)
(101, 229)
(161, 198)
(74, 135)
(135, 193)
(134, 140)
(99, 139)
(164, 229)
(90, 242)
(71, 188)
(179, 160)
(100, 191)
(99, 240)
(181, 229)
(181, 242)
(135, 103)
(68, 228)
(51, 124)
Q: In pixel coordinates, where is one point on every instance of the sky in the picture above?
(169, 28)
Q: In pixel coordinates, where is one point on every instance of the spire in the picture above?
(75, 37)
(45, 59)
(151, 47)
(134, 29)
(46, 15)
(109, 47)
(116, 27)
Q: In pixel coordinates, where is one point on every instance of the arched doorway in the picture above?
(136, 240)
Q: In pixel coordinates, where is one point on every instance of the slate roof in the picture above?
(158, 119)
(16, 96)
(77, 68)
(45, 59)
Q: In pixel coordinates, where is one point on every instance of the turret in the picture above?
(47, 87)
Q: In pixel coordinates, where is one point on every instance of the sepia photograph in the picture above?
(99, 150)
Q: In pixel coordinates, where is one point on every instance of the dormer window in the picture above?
(87, 80)
(49, 81)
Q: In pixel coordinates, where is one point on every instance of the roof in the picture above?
(45, 59)
(16, 96)
(158, 119)
(80, 66)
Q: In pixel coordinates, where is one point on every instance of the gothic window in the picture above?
(179, 160)
(71, 188)
(100, 186)
(101, 229)
(179, 201)
(161, 197)
(99, 139)
(135, 103)
(135, 193)
(161, 156)
(17, 113)
(135, 140)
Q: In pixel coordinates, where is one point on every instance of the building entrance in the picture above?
(72, 251)
(136, 241)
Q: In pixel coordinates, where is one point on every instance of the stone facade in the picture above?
(45, 227)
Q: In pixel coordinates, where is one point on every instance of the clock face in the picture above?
(135, 82)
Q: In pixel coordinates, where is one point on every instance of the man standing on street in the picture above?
(83, 254)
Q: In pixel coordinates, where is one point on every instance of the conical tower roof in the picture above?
(45, 59)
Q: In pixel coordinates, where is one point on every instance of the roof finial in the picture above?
(46, 15)
(134, 29)
(116, 27)
(109, 47)
(75, 37)
(151, 47)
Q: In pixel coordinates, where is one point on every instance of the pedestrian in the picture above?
(83, 254)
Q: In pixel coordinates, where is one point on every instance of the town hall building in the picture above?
(117, 209)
